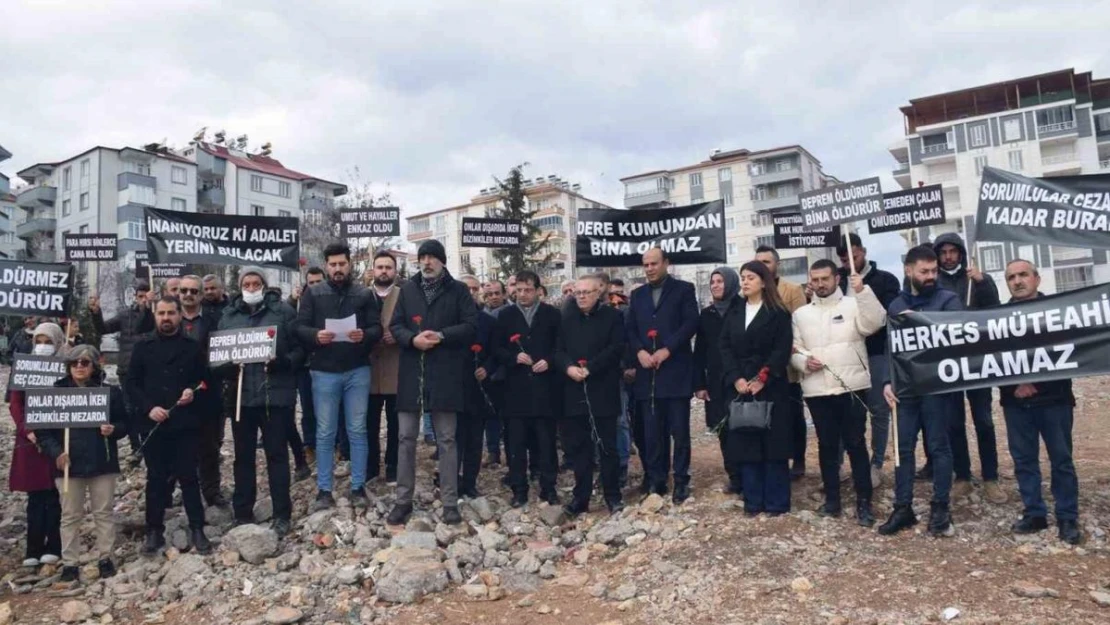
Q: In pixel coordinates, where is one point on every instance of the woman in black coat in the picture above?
(755, 350)
(724, 286)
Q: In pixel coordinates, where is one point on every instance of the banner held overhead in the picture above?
(178, 237)
(29, 288)
(618, 238)
(912, 208)
(843, 203)
(1070, 211)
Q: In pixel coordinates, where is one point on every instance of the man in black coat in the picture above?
(589, 351)
(523, 343)
(434, 322)
(166, 372)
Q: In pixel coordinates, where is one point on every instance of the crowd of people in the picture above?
(500, 370)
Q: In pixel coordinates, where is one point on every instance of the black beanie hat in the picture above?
(431, 247)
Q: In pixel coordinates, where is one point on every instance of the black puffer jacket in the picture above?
(277, 385)
(90, 454)
(328, 300)
(885, 287)
(132, 323)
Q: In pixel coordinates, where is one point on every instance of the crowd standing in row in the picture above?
(496, 364)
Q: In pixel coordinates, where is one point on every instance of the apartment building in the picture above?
(10, 246)
(556, 203)
(1053, 124)
(753, 185)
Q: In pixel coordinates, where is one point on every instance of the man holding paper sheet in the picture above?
(338, 323)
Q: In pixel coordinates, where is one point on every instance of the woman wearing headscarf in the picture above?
(31, 468)
(93, 462)
(724, 286)
(755, 350)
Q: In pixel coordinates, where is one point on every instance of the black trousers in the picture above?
(639, 438)
(798, 415)
(842, 420)
(734, 477)
(581, 449)
(469, 432)
(211, 440)
(373, 434)
(293, 439)
(172, 454)
(535, 435)
(245, 432)
(44, 518)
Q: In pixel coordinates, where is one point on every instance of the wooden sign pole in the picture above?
(845, 231)
(239, 395)
(65, 470)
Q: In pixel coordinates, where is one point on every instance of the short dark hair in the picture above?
(823, 263)
(337, 248)
(853, 240)
(767, 249)
(604, 277)
(169, 299)
(920, 253)
(528, 276)
(617, 282)
(314, 271)
(499, 283)
(385, 254)
(543, 290)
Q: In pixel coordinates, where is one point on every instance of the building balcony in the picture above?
(209, 166)
(938, 152)
(647, 198)
(128, 178)
(138, 194)
(771, 203)
(1064, 164)
(901, 175)
(900, 151)
(1062, 131)
(317, 204)
(212, 197)
(36, 197)
(44, 223)
(772, 176)
(419, 236)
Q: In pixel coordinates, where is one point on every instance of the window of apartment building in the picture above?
(784, 190)
(258, 210)
(256, 183)
(793, 266)
(178, 204)
(784, 164)
(724, 174)
(761, 219)
(992, 258)
(730, 223)
(1016, 163)
(67, 178)
(1102, 123)
(757, 168)
(1072, 278)
(978, 135)
(766, 239)
(66, 208)
(420, 225)
(441, 225)
(285, 214)
(1011, 130)
(731, 250)
(934, 143)
(695, 180)
(179, 175)
(83, 229)
(133, 230)
(726, 197)
(85, 167)
(1059, 118)
(285, 189)
(980, 164)
(758, 192)
(84, 201)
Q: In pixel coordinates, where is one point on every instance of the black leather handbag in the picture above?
(749, 415)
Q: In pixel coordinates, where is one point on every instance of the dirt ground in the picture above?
(802, 569)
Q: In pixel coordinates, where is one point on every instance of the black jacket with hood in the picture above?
(983, 295)
(709, 370)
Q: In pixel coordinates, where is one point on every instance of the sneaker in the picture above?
(961, 489)
(358, 498)
(1068, 531)
(324, 501)
(49, 559)
(200, 542)
(902, 518)
(69, 574)
(876, 477)
(1029, 524)
(281, 527)
(451, 515)
(940, 520)
(107, 568)
(399, 514)
(994, 493)
(154, 541)
(302, 473)
(31, 563)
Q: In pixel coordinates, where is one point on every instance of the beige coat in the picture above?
(385, 359)
(793, 296)
(832, 329)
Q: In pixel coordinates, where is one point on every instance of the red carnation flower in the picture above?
(514, 338)
(652, 333)
(203, 386)
(476, 348)
(270, 333)
(582, 362)
(417, 319)
(302, 261)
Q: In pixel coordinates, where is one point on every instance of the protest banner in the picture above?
(912, 208)
(179, 237)
(690, 235)
(482, 232)
(242, 345)
(790, 233)
(56, 408)
(86, 247)
(1050, 338)
(30, 371)
(164, 271)
(843, 203)
(1070, 211)
(29, 288)
(371, 221)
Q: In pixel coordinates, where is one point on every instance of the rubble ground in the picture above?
(703, 562)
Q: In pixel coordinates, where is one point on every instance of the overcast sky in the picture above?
(434, 97)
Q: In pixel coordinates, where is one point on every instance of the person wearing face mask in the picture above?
(93, 461)
(268, 400)
(724, 287)
(31, 468)
(435, 323)
(931, 413)
(340, 369)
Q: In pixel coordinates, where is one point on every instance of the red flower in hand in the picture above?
(417, 319)
(476, 348)
(203, 386)
(270, 333)
(582, 362)
(514, 338)
(652, 333)
(302, 261)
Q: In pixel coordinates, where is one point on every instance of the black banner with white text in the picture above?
(28, 288)
(164, 271)
(178, 237)
(94, 247)
(790, 233)
(30, 371)
(84, 407)
(1051, 338)
(370, 221)
(242, 345)
(618, 238)
(1070, 211)
(912, 208)
(483, 232)
(842, 203)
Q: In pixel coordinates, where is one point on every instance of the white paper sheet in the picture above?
(341, 327)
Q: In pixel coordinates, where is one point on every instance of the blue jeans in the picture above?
(933, 413)
(766, 486)
(308, 410)
(353, 389)
(624, 433)
(429, 430)
(880, 411)
(1053, 424)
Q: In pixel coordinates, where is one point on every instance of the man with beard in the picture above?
(340, 368)
(931, 412)
(471, 422)
(215, 299)
(171, 287)
(496, 434)
(197, 323)
(384, 360)
(1045, 410)
(523, 343)
(956, 275)
(435, 325)
(164, 376)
